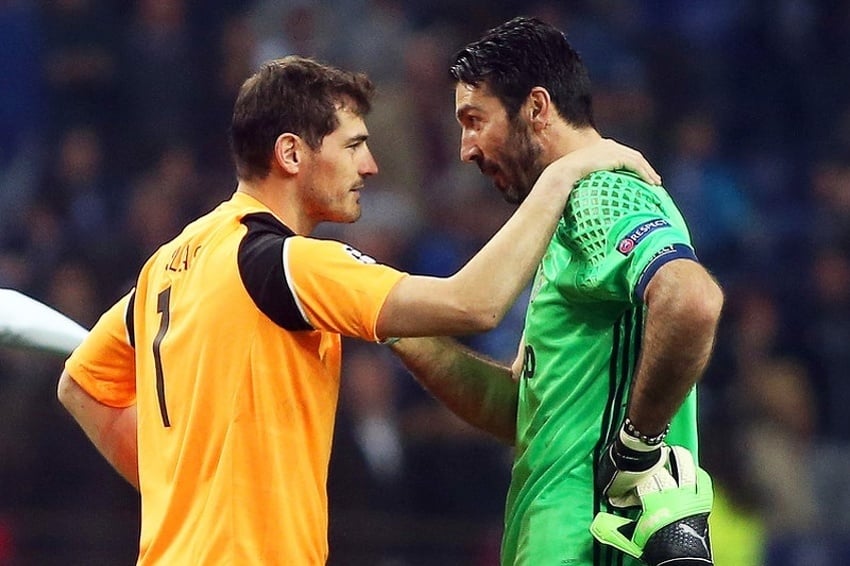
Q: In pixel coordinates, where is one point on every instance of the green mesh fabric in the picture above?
(596, 204)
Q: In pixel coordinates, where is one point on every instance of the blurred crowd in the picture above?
(113, 134)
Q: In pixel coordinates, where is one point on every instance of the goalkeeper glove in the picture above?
(672, 528)
(628, 460)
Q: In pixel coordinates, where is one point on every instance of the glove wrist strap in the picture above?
(632, 438)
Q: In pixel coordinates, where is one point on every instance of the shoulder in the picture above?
(608, 196)
(606, 204)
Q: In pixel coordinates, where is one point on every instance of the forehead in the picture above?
(479, 98)
(350, 123)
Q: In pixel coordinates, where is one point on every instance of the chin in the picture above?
(511, 194)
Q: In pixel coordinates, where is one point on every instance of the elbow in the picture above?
(712, 302)
(67, 390)
(63, 389)
(705, 304)
(472, 315)
(485, 319)
(489, 321)
(472, 309)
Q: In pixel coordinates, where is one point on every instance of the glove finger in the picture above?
(622, 483)
(608, 529)
(625, 501)
(682, 466)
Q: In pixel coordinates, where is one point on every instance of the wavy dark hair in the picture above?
(296, 95)
(520, 54)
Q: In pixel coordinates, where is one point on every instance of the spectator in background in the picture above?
(73, 291)
(303, 27)
(236, 46)
(829, 191)
(776, 439)
(607, 35)
(368, 480)
(160, 201)
(81, 63)
(34, 244)
(22, 108)
(77, 187)
(826, 337)
(161, 88)
(707, 189)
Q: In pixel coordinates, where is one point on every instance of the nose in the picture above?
(469, 150)
(369, 166)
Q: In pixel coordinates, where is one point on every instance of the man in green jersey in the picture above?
(620, 325)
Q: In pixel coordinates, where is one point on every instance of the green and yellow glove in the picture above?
(672, 528)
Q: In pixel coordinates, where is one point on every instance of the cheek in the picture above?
(494, 142)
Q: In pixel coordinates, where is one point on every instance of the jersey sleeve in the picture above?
(336, 287)
(104, 364)
(304, 283)
(622, 231)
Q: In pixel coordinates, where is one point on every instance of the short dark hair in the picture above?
(293, 94)
(520, 54)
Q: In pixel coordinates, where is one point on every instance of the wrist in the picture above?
(561, 179)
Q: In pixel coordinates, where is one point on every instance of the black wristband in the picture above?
(630, 429)
(629, 460)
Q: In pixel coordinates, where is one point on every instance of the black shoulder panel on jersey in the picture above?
(129, 319)
(260, 260)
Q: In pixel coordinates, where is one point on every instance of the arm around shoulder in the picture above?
(477, 297)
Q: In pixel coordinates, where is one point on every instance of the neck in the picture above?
(561, 139)
(278, 197)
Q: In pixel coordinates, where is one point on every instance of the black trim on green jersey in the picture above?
(598, 548)
(662, 257)
(625, 349)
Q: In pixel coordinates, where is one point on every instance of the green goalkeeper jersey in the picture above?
(582, 340)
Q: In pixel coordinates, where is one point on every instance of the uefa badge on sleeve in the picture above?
(633, 238)
(625, 246)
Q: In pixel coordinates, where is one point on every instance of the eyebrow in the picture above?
(465, 109)
(357, 139)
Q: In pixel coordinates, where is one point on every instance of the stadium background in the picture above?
(113, 118)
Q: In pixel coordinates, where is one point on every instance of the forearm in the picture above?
(681, 323)
(499, 272)
(479, 391)
(112, 430)
(476, 298)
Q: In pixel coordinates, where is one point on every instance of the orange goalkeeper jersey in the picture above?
(230, 347)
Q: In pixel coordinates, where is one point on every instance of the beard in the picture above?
(517, 166)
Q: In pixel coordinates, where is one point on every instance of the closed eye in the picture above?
(356, 141)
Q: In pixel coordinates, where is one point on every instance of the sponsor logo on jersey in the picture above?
(359, 256)
(633, 238)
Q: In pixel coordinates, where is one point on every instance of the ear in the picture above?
(289, 152)
(539, 108)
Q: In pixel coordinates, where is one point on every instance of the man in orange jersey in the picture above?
(212, 386)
